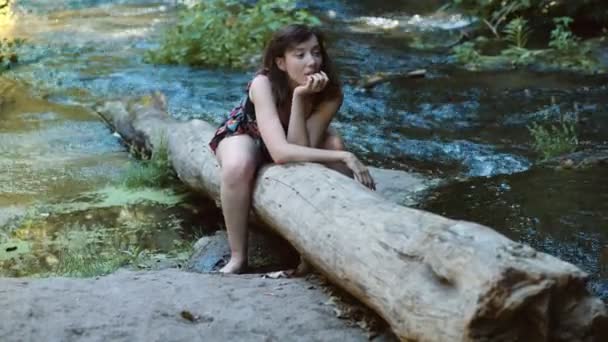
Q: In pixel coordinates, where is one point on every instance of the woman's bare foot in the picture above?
(303, 269)
(234, 266)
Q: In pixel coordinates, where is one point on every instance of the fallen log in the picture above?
(371, 81)
(429, 277)
(595, 156)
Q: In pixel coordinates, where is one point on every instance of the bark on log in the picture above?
(431, 278)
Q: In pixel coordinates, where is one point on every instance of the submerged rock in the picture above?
(9, 214)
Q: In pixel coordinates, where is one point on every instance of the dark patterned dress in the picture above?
(242, 120)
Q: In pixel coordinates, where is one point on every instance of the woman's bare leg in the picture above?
(239, 158)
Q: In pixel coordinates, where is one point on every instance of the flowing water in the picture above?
(469, 128)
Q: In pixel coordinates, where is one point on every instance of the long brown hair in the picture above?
(283, 40)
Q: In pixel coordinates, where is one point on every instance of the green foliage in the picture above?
(465, 53)
(519, 56)
(77, 243)
(154, 172)
(496, 13)
(8, 52)
(226, 33)
(88, 261)
(551, 140)
(82, 253)
(493, 13)
(89, 264)
(562, 39)
(516, 32)
(566, 50)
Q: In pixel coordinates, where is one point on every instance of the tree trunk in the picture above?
(429, 277)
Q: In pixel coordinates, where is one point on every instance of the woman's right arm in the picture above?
(281, 150)
(273, 134)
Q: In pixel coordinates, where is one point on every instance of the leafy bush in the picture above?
(554, 140)
(226, 33)
(466, 53)
(566, 51)
(496, 13)
(562, 39)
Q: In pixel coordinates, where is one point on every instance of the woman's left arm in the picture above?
(318, 121)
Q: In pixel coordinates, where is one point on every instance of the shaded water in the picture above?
(58, 189)
(453, 124)
(49, 150)
(564, 213)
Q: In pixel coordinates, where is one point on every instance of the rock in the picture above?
(210, 252)
(151, 305)
(8, 214)
(267, 251)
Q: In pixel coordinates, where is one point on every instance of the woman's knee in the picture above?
(239, 161)
(238, 170)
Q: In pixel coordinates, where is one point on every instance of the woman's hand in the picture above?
(315, 84)
(359, 170)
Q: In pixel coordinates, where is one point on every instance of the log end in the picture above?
(521, 307)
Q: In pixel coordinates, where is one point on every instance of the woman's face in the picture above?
(301, 61)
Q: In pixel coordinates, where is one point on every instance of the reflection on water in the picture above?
(50, 150)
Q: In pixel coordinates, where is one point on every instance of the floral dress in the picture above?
(241, 120)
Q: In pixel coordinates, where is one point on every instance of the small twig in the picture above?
(492, 28)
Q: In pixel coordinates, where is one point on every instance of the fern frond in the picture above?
(517, 32)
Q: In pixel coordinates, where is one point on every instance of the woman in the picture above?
(285, 118)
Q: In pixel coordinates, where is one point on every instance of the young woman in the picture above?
(285, 118)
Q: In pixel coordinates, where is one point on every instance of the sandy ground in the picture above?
(169, 305)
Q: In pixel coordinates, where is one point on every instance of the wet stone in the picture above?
(267, 252)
